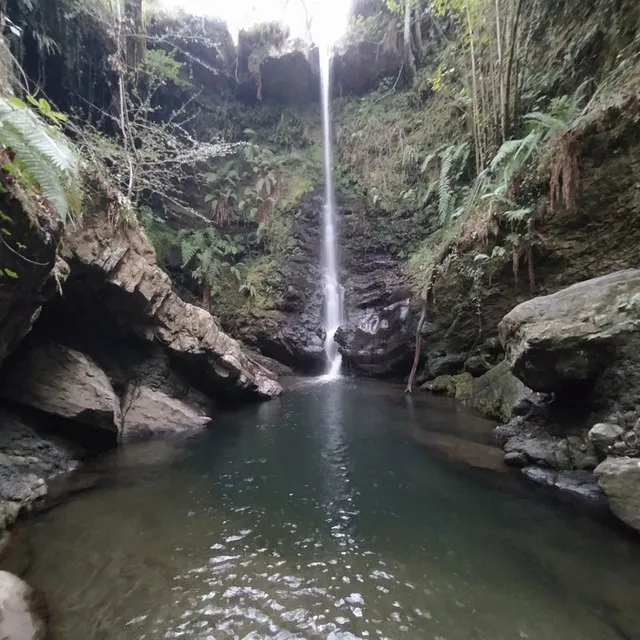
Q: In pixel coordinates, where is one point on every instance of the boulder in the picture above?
(498, 392)
(604, 436)
(63, 382)
(147, 412)
(569, 337)
(28, 461)
(21, 610)
(619, 478)
(375, 340)
(117, 268)
(477, 365)
(457, 387)
(446, 364)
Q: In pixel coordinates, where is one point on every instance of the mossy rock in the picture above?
(458, 386)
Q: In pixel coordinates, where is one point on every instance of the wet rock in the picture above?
(147, 411)
(570, 337)
(455, 386)
(15, 552)
(604, 436)
(119, 270)
(498, 393)
(289, 79)
(27, 461)
(63, 382)
(516, 459)
(21, 610)
(375, 340)
(619, 478)
(580, 484)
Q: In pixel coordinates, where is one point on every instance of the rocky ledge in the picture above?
(575, 356)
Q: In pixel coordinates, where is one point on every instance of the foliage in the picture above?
(43, 157)
(209, 254)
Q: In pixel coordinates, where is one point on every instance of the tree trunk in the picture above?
(421, 49)
(512, 51)
(134, 28)
(409, 62)
(416, 356)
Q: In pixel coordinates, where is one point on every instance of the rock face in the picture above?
(28, 461)
(119, 267)
(619, 478)
(62, 382)
(20, 610)
(570, 336)
(26, 284)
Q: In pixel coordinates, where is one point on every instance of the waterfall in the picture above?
(333, 291)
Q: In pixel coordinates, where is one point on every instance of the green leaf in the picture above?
(9, 273)
(16, 103)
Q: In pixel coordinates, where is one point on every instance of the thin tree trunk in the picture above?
(416, 356)
(409, 62)
(474, 98)
(421, 49)
(503, 123)
(514, 36)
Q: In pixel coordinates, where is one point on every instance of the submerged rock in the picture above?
(21, 610)
(570, 337)
(619, 478)
(580, 484)
(63, 382)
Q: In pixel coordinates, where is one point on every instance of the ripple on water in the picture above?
(326, 522)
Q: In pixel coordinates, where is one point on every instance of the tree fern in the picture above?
(445, 192)
(43, 155)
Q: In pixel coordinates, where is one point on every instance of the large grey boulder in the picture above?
(64, 382)
(571, 336)
(619, 478)
(498, 394)
(20, 610)
(147, 412)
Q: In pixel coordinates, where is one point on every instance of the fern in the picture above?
(43, 155)
(445, 192)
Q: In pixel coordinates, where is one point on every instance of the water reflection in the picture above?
(318, 516)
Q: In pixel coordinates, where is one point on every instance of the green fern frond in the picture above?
(45, 158)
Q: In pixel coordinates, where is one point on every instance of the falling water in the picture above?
(333, 291)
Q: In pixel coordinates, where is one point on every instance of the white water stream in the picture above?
(334, 293)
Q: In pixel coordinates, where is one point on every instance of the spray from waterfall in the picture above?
(333, 308)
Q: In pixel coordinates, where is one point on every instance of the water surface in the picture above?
(319, 515)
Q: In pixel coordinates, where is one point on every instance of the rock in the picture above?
(118, 270)
(447, 364)
(603, 436)
(375, 340)
(619, 478)
(498, 394)
(579, 484)
(147, 412)
(477, 365)
(63, 382)
(21, 610)
(516, 459)
(27, 461)
(359, 67)
(36, 226)
(455, 386)
(570, 337)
